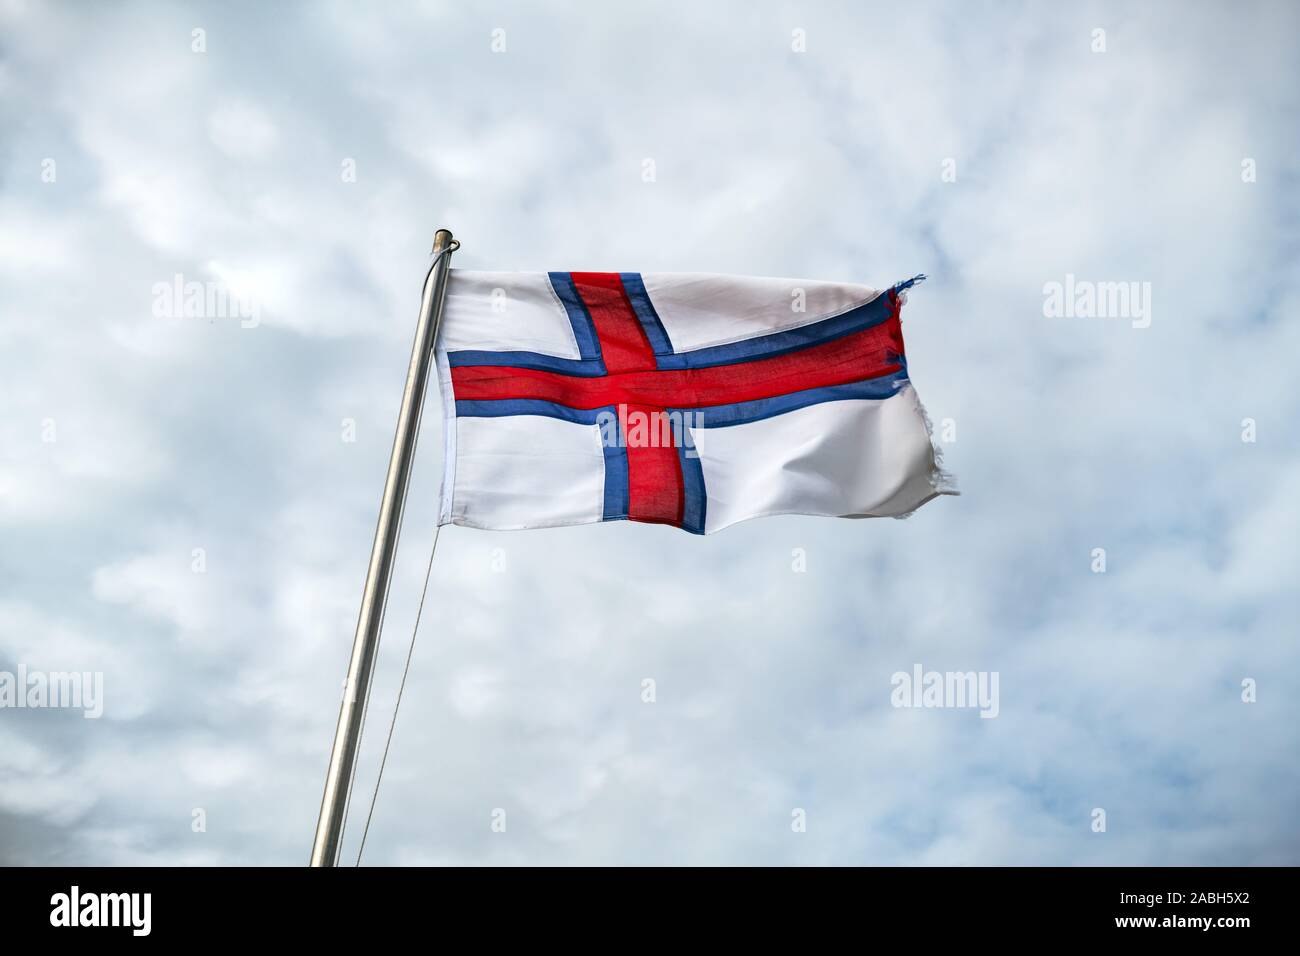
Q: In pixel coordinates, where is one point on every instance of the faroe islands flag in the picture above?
(685, 399)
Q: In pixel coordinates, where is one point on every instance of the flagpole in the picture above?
(333, 806)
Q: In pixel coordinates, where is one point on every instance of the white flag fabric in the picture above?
(685, 399)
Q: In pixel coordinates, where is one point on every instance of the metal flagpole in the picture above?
(338, 780)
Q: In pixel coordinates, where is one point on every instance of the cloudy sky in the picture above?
(180, 509)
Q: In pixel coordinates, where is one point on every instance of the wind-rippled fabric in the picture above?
(685, 399)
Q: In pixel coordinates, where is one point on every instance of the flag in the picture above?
(686, 399)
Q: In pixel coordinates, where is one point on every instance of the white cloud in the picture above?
(241, 130)
(1119, 690)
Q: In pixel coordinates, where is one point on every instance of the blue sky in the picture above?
(129, 440)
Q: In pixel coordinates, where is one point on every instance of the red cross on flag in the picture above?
(684, 399)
